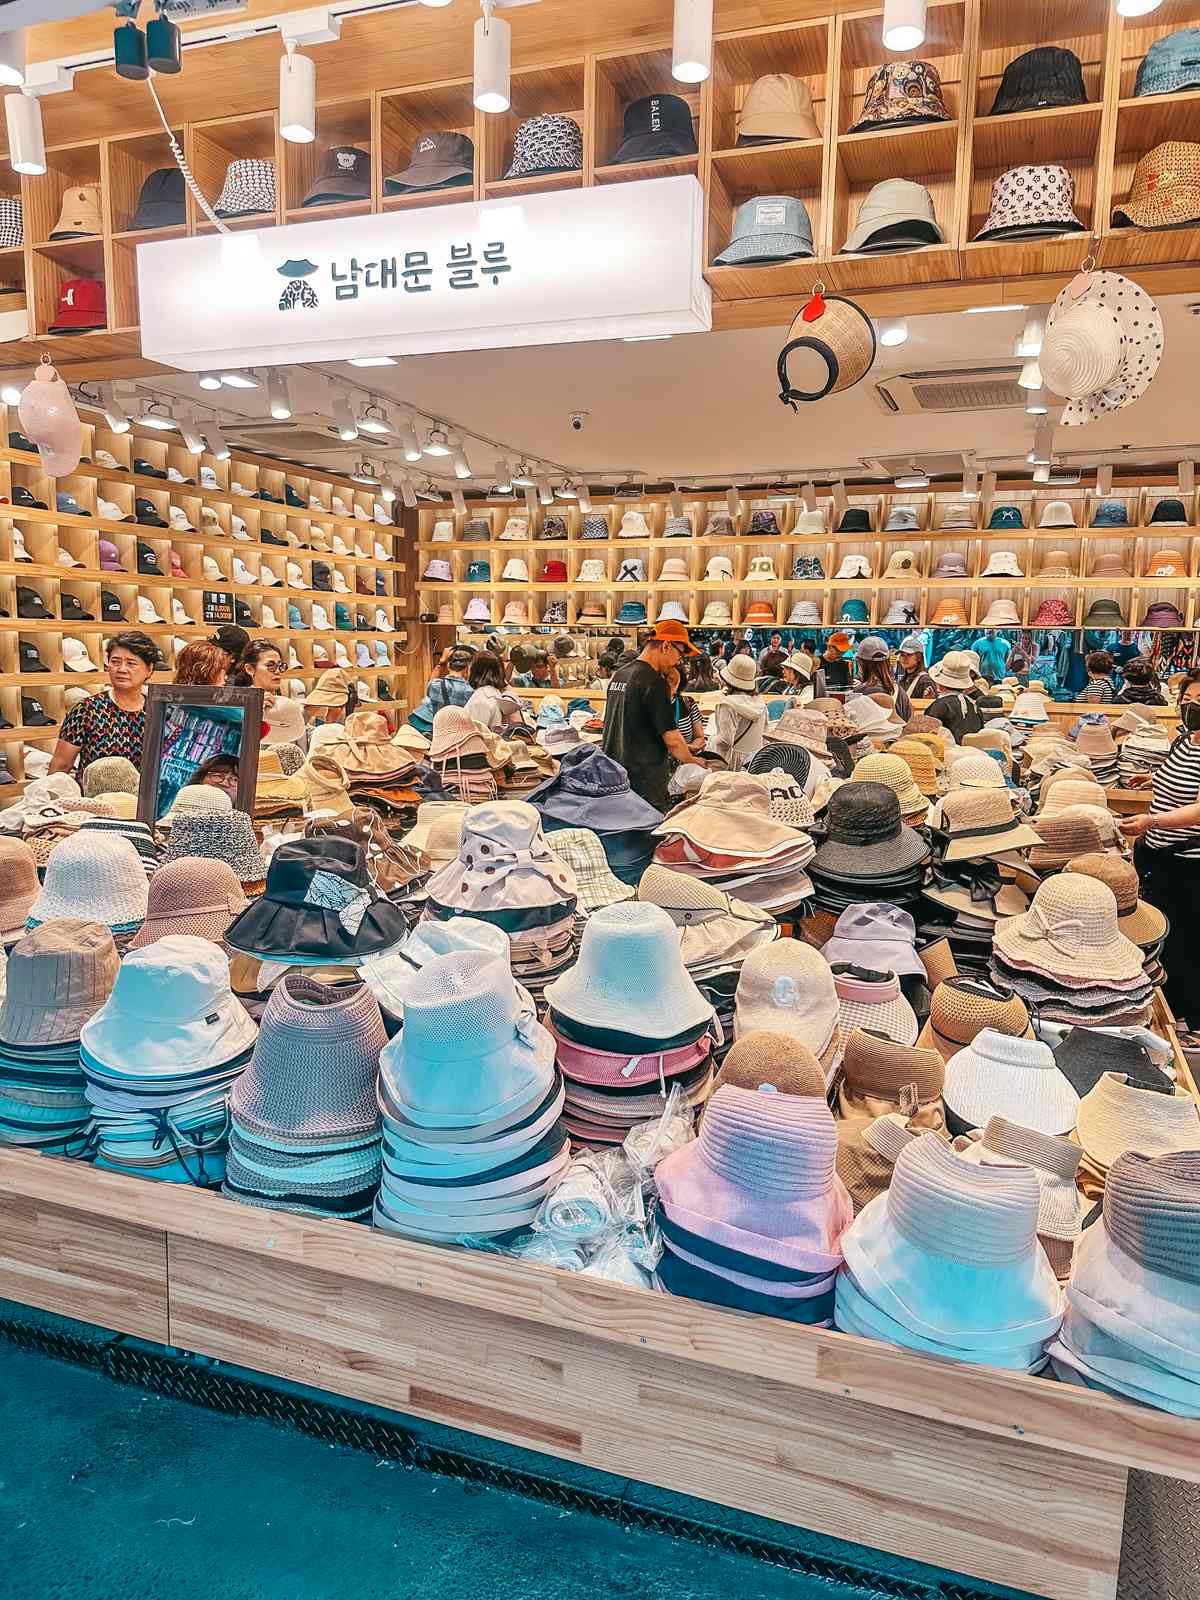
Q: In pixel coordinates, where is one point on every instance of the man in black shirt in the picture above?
(639, 718)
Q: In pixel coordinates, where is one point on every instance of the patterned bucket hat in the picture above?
(900, 93)
(249, 188)
(546, 144)
(1032, 203)
(1170, 64)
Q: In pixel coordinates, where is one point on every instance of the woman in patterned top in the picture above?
(113, 722)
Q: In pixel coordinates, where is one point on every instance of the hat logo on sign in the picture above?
(297, 292)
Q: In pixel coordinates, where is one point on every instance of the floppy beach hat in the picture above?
(630, 973)
(1101, 347)
(732, 814)
(1137, 919)
(57, 976)
(1071, 926)
(396, 975)
(191, 895)
(504, 865)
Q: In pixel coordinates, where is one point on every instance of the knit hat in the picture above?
(109, 773)
(195, 798)
(221, 836)
(19, 886)
(961, 1007)
(96, 876)
(191, 895)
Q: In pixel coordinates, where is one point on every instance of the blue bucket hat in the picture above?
(1111, 514)
(1170, 64)
(341, 616)
(632, 611)
(854, 611)
(771, 227)
(591, 790)
(1006, 517)
(479, 572)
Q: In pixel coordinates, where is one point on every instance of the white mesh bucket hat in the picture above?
(95, 875)
(395, 976)
(630, 973)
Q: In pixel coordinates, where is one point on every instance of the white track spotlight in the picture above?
(1104, 480)
(493, 58)
(26, 142)
(343, 418)
(279, 397)
(1030, 343)
(374, 419)
(458, 459)
(409, 442)
(523, 478)
(1031, 375)
(692, 41)
(531, 501)
(407, 493)
(457, 498)
(118, 419)
(584, 498)
(12, 58)
(238, 378)
(297, 96)
(502, 475)
(893, 331)
(903, 24)
(545, 492)
(437, 443)
(193, 441)
(1137, 8)
(1037, 403)
(676, 503)
(11, 392)
(209, 380)
(387, 489)
(733, 500)
(216, 441)
(155, 415)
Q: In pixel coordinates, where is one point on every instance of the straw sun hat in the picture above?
(1071, 926)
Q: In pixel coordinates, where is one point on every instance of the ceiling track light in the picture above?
(1030, 376)
(437, 442)
(903, 24)
(808, 494)
(531, 500)
(279, 396)
(1037, 403)
(584, 498)
(458, 498)
(297, 96)
(988, 487)
(26, 141)
(407, 493)
(545, 492)
(155, 415)
(365, 473)
(1029, 345)
(1137, 8)
(523, 478)
(458, 459)
(676, 502)
(209, 380)
(12, 59)
(893, 331)
(502, 473)
(216, 441)
(343, 419)
(239, 378)
(374, 419)
(387, 489)
(1187, 477)
(692, 41)
(970, 484)
(409, 442)
(493, 61)
(567, 490)
(193, 441)
(914, 478)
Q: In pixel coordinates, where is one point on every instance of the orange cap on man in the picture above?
(670, 632)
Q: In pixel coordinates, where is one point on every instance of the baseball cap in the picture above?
(75, 656)
(667, 631)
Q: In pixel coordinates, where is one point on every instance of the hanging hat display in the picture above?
(840, 334)
(1102, 345)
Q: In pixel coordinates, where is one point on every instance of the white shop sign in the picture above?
(617, 261)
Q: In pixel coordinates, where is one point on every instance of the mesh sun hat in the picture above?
(893, 772)
(761, 1060)
(1136, 918)
(1067, 791)
(630, 969)
(471, 1049)
(503, 864)
(973, 769)
(873, 1001)
(191, 895)
(320, 905)
(948, 1260)
(877, 936)
(961, 1007)
(396, 975)
(57, 977)
(807, 729)
(95, 875)
(171, 1013)
(1102, 348)
(761, 1179)
(864, 835)
(716, 931)
(19, 886)
(998, 1074)
(1029, 707)
(1116, 1116)
(1070, 927)
(921, 762)
(223, 836)
(109, 774)
(1031, 202)
(437, 832)
(582, 851)
(787, 987)
(194, 799)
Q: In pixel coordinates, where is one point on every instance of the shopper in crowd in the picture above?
(1168, 854)
(486, 678)
(219, 772)
(536, 670)
(772, 656)
(912, 675)
(688, 717)
(739, 718)
(1099, 689)
(234, 641)
(261, 667)
(833, 669)
(112, 722)
(875, 675)
(639, 719)
(447, 687)
(1140, 686)
(798, 677)
(702, 674)
(1017, 667)
(194, 733)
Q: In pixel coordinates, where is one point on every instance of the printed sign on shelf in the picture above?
(624, 260)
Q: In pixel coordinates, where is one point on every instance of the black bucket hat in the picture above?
(345, 175)
(855, 519)
(1046, 76)
(437, 161)
(160, 204)
(657, 125)
(320, 904)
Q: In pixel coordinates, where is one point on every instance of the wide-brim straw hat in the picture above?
(57, 976)
(1060, 792)
(94, 875)
(19, 886)
(1136, 918)
(998, 1074)
(715, 929)
(961, 1007)
(1115, 1117)
(630, 974)
(1070, 927)
(982, 822)
(191, 895)
(921, 763)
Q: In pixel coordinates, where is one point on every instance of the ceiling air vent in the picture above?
(959, 389)
(297, 437)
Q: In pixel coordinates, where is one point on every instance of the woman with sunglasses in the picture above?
(261, 667)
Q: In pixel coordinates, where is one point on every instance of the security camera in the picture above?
(578, 421)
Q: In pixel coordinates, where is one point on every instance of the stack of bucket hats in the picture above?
(1132, 1326)
(716, 934)
(868, 853)
(395, 976)
(1142, 751)
(1118, 1115)
(628, 1023)
(471, 1103)
(1067, 956)
(753, 1211)
(1094, 739)
(583, 852)
(458, 753)
(159, 1058)
(948, 1262)
(1143, 924)
(788, 987)
(729, 838)
(591, 790)
(57, 977)
(304, 1125)
(506, 874)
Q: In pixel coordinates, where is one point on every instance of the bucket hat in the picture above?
(81, 307)
(160, 202)
(731, 815)
(98, 876)
(476, 530)
(1001, 614)
(395, 976)
(953, 671)
(631, 569)
(950, 564)
(191, 895)
(503, 864)
(1031, 202)
(1170, 64)
(592, 570)
(545, 144)
(1166, 564)
(839, 334)
(1042, 77)
(1169, 512)
(1057, 514)
(777, 106)
(804, 612)
(436, 161)
(1162, 614)
(222, 835)
(1110, 514)
(79, 215)
(655, 126)
(19, 886)
(591, 790)
(897, 214)
(344, 174)
(1051, 614)
(998, 1074)
(1002, 564)
(716, 614)
(1055, 564)
(593, 526)
(319, 905)
(1165, 192)
(630, 972)
(768, 228)
(57, 977)
(901, 93)
(1103, 614)
(740, 673)
(864, 835)
(981, 822)
(249, 188)
(1071, 926)
(583, 852)
(854, 566)
(1101, 348)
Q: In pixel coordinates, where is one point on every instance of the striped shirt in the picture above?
(1098, 692)
(1176, 783)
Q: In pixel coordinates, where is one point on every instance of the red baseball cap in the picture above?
(81, 306)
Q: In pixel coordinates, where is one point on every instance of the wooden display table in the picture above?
(1014, 1479)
